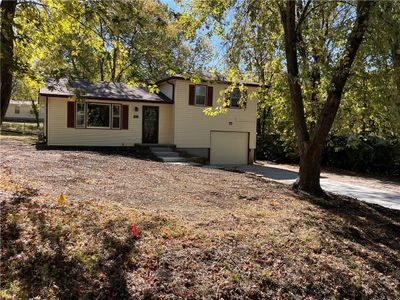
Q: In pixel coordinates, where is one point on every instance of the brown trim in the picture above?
(192, 94)
(125, 117)
(109, 99)
(71, 112)
(209, 98)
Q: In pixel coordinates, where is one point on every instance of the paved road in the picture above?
(371, 195)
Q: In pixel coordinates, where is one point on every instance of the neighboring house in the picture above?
(114, 114)
(21, 111)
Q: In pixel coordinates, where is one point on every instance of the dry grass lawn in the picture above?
(205, 233)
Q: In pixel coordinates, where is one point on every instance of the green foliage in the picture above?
(363, 153)
(135, 41)
(253, 37)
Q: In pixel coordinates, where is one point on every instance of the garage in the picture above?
(229, 147)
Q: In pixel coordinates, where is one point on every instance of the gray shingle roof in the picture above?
(101, 90)
(206, 77)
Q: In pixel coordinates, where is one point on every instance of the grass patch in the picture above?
(21, 127)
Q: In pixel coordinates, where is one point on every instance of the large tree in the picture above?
(6, 53)
(316, 41)
(310, 146)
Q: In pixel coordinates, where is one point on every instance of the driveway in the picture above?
(369, 190)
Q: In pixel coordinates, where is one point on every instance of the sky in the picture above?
(218, 59)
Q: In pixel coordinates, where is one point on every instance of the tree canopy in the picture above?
(325, 67)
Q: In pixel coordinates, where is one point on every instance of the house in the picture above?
(21, 111)
(114, 114)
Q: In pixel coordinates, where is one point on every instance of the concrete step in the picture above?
(179, 163)
(167, 154)
(172, 159)
(161, 149)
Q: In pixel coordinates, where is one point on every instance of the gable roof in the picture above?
(101, 90)
(206, 77)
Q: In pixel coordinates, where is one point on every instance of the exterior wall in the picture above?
(60, 135)
(167, 89)
(25, 114)
(192, 127)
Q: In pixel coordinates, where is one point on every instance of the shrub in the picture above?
(361, 153)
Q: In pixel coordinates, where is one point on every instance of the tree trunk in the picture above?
(396, 64)
(310, 150)
(310, 169)
(101, 64)
(288, 18)
(35, 111)
(7, 55)
(114, 64)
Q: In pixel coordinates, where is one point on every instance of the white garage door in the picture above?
(229, 147)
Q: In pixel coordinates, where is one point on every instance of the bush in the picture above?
(370, 154)
(274, 148)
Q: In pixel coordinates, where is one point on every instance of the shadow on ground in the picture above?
(50, 263)
(371, 226)
(268, 172)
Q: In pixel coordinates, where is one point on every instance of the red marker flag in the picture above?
(135, 231)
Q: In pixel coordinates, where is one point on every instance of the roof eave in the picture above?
(216, 81)
(107, 98)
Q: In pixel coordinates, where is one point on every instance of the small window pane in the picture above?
(98, 115)
(235, 98)
(80, 115)
(200, 98)
(116, 112)
(115, 122)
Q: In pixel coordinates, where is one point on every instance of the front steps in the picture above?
(167, 154)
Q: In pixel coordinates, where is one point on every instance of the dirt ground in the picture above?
(206, 233)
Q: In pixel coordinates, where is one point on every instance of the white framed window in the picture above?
(80, 115)
(98, 115)
(235, 98)
(17, 109)
(200, 95)
(116, 116)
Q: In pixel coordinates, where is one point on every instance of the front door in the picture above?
(150, 125)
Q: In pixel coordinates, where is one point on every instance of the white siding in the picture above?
(25, 111)
(192, 127)
(167, 89)
(60, 134)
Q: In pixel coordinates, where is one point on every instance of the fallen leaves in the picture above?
(214, 235)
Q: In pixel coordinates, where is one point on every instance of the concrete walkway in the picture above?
(384, 197)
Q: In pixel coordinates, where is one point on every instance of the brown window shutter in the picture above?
(125, 116)
(70, 114)
(210, 96)
(191, 94)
